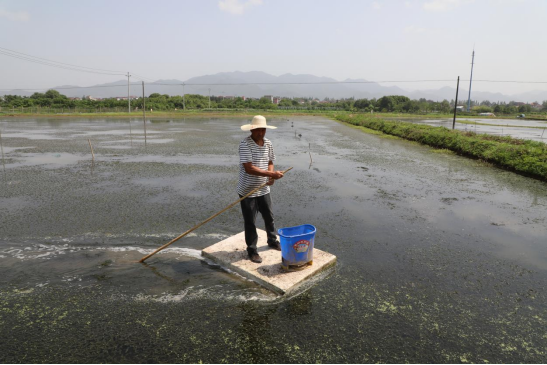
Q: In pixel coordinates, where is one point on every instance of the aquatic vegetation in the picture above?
(522, 156)
(441, 258)
(443, 151)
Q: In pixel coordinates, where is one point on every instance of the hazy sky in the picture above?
(375, 40)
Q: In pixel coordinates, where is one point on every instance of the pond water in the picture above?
(517, 128)
(440, 258)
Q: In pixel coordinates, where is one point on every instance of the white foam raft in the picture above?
(231, 253)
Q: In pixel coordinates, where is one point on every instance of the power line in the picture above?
(57, 64)
(68, 66)
(275, 83)
(62, 63)
(300, 83)
(340, 82)
(512, 81)
(142, 77)
(72, 87)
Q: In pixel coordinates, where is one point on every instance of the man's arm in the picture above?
(271, 173)
(271, 169)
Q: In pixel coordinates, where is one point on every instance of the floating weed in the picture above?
(367, 130)
(23, 291)
(484, 163)
(445, 151)
(101, 277)
(106, 263)
(389, 136)
(449, 201)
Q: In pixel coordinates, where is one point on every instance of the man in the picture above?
(256, 167)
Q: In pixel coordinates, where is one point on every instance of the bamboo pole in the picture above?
(207, 220)
(92, 154)
(130, 133)
(144, 114)
(2, 148)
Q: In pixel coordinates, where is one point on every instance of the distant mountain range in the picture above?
(256, 84)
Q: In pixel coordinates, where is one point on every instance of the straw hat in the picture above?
(258, 122)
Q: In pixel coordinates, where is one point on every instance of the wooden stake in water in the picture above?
(542, 133)
(207, 220)
(2, 148)
(144, 113)
(92, 154)
(130, 133)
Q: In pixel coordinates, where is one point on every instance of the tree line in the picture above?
(390, 103)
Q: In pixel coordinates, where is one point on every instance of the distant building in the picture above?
(269, 97)
(460, 108)
(276, 100)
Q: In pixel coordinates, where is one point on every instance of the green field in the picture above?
(121, 113)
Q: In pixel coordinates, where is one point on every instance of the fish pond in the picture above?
(441, 258)
(533, 130)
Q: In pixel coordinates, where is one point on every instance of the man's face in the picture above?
(258, 133)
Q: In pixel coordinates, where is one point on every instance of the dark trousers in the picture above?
(249, 208)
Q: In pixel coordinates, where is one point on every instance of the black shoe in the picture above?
(255, 258)
(275, 245)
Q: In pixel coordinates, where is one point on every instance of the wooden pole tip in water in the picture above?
(91, 147)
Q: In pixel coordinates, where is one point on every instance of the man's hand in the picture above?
(277, 175)
(270, 182)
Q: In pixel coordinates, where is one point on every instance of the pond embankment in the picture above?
(522, 156)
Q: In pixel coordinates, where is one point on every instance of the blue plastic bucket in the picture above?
(297, 244)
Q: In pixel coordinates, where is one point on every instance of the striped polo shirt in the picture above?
(249, 151)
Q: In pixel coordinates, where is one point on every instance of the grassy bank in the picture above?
(525, 157)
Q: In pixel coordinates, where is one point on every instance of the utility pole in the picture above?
(209, 98)
(456, 103)
(128, 97)
(183, 98)
(470, 80)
